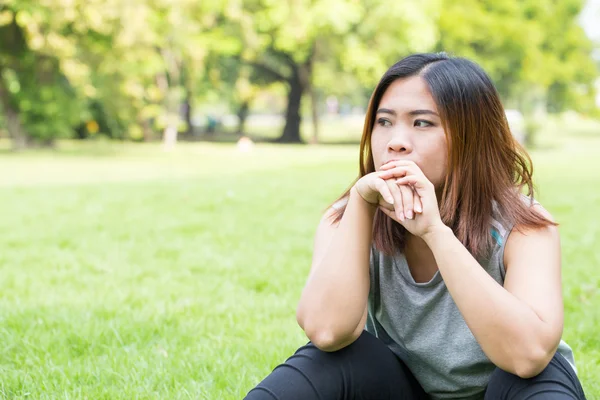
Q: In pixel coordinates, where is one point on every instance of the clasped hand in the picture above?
(403, 192)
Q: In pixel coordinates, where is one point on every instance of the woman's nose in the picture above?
(400, 143)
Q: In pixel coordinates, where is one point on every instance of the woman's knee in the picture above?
(362, 369)
(367, 361)
(313, 373)
(557, 381)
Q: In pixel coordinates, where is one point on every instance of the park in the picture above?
(163, 178)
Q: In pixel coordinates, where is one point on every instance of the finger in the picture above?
(387, 212)
(416, 181)
(398, 199)
(418, 204)
(419, 183)
(385, 204)
(392, 164)
(407, 200)
(383, 189)
(397, 171)
(400, 170)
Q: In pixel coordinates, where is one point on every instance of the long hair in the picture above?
(485, 163)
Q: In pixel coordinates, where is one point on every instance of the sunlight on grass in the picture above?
(134, 273)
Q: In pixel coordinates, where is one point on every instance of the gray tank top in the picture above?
(422, 325)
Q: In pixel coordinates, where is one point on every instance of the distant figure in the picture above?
(211, 124)
(245, 144)
(433, 276)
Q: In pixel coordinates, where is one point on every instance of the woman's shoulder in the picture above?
(502, 225)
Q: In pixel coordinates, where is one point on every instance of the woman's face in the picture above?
(408, 127)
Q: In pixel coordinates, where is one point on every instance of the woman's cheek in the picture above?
(376, 152)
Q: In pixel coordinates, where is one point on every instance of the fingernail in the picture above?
(409, 214)
(418, 208)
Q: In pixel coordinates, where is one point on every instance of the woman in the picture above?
(433, 277)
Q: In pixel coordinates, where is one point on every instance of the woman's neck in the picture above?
(415, 244)
(419, 258)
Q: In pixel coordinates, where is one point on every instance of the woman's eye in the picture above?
(384, 122)
(421, 123)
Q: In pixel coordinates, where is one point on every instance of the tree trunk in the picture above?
(532, 103)
(20, 138)
(315, 115)
(187, 113)
(147, 130)
(291, 130)
(242, 115)
(172, 89)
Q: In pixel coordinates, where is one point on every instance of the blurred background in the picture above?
(164, 164)
(291, 71)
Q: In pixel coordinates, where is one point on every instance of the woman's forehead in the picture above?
(408, 93)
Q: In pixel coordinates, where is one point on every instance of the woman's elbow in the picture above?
(533, 362)
(329, 341)
(325, 338)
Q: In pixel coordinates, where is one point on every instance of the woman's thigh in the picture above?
(366, 369)
(557, 382)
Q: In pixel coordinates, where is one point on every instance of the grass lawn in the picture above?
(128, 273)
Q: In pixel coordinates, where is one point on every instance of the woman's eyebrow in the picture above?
(385, 111)
(411, 113)
(421, 112)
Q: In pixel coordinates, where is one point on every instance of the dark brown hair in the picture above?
(485, 163)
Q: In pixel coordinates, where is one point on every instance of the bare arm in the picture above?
(519, 325)
(333, 305)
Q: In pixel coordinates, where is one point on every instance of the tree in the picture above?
(290, 41)
(551, 69)
(39, 102)
(124, 67)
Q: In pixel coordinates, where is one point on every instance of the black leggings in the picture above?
(367, 369)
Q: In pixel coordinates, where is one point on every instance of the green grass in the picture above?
(129, 273)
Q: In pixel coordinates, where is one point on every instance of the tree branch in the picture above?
(268, 71)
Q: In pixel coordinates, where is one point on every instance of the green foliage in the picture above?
(525, 46)
(33, 82)
(127, 67)
(134, 62)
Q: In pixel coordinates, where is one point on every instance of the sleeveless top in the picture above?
(422, 325)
